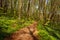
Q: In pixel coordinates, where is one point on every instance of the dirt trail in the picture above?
(27, 33)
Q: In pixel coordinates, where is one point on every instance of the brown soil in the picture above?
(27, 33)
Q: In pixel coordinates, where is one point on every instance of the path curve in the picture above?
(27, 33)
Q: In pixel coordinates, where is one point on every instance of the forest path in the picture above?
(26, 33)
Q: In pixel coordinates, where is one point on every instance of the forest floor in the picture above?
(26, 33)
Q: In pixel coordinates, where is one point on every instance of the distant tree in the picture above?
(19, 8)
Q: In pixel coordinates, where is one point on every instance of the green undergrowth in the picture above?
(47, 32)
(8, 26)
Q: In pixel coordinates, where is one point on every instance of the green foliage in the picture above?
(54, 28)
(47, 33)
(8, 26)
(44, 35)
